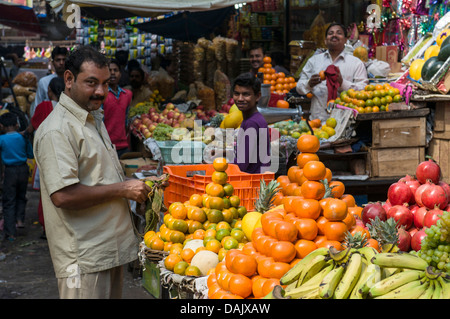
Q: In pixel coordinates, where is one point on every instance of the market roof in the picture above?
(146, 8)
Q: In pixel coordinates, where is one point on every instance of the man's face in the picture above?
(335, 39)
(136, 79)
(115, 74)
(245, 98)
(256, 58)
(58, 63)
(90, 88)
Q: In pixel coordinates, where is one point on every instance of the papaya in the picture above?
(428, 69)
(442, 36)
(415, 69)
(431, 51)
(444, 53)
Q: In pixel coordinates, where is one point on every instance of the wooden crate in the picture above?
(403, 132)
(442, 120)
(392, 162)
(439, 150)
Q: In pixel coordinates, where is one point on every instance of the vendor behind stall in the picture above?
(342, 71)
(252, 153)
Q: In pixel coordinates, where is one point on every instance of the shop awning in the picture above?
(19, 17)
(112, 9)
(188, 26)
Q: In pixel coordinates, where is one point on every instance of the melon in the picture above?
(415, 69)
(442, 36)
(431, 51)
(361, 53)
(428, 69)
(205, 260)
(444, 53)
(194, 244)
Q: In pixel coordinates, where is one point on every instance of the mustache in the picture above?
(97, 98)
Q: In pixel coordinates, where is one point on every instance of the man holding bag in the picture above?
(342, 72)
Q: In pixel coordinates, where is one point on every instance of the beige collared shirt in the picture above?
(72, 146)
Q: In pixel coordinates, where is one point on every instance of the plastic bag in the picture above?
(377, 68)
(222, 87)
(165, 83)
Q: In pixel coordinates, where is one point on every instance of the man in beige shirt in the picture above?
(84, 192)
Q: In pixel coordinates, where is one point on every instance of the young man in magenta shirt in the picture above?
(115, 110)
(253, 140)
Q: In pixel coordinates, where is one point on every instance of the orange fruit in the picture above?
(214, 189)
(196, 200)
(219, 177)
(240, 285)
(220, 164)
(171, 260)
(308, 143)
(314, 170)
(303, 247)
(304, 158)
(179, 211)
(192, 271)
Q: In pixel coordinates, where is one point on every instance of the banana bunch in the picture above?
(413, 279)
(329, 273)
(362, 273)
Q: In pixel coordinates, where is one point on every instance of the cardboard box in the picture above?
(395, 162)
(132, 161)
(403, 132)
(439, 150)
(387, 53)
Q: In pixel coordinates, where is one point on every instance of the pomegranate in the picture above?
(446, 188)
(419, 214)
(371, 210)
(416, 239)
(402, 215)
(419, 191)
(428, 170)
(406, 178)
(431, 217)
(399, 193)
(404, 240)
(413, 185)
(387, 205)
(412, 230)
(434, 195)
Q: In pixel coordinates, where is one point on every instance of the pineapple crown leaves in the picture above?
(328, 189)
(266, 195)
(357, 240)
(385, 232)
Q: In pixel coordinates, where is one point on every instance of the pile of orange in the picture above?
(213, 217)
(280, 83)
(374, 98)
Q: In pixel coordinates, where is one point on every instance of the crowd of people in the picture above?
(79, 131)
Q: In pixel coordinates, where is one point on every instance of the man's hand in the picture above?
(314, 80)
(136, 190)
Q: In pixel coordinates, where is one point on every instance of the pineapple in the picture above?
(386, 232)
(266, 195)
(356, 241)
(216, 120)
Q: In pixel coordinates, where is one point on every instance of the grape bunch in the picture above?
(435, 247)
(140, 108)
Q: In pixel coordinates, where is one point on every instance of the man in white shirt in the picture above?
(352, 71)
(59, 55)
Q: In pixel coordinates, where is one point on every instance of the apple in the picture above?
(152, 127)
(144, 116)
(147, 133)
(170, 106)
(170, 114)
(165, 112)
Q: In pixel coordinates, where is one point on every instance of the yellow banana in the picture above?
(373, 278)
(429, 292)
(314, 267)
(445, 288)
(399, 279)
(399, 260)
(387, 272)
(411, 290)
(350, 277)
(365, 274)
(368, 252)
(437, 290)
(310, 286)
(293, 274)
(330, 282)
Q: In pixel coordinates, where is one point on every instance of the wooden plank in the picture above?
(439, 151)
(389, 162)
(392, 115)
(404, 132)
(441, 128)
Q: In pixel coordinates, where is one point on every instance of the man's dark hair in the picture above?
(8, 119)
(248, 80)
(58, 51)
(256, 47)
(139, 69)
(114, 61)
(133, 64)
(122, 57)
(338, 24)
(57, 86)
(84, 54)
